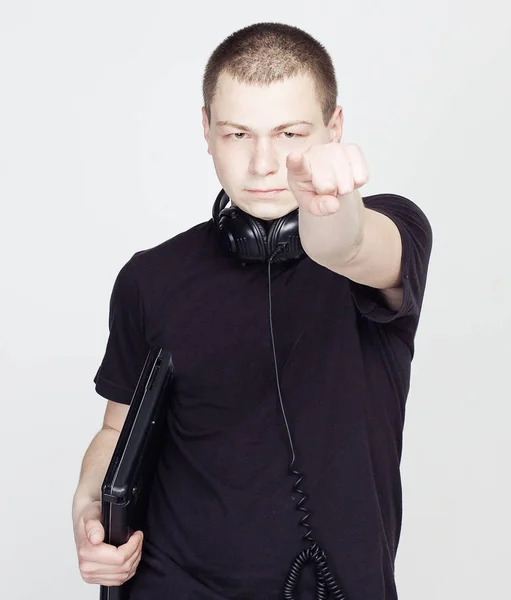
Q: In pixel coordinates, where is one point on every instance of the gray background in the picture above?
(102, 154)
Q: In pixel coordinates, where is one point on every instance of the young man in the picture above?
(324, 382)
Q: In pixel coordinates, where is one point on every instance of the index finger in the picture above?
(298, 165)
(132, 544)
(107, 554)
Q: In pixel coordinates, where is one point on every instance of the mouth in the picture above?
(266, 193)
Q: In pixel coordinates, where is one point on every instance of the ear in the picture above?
(335, 124)
(205, 125)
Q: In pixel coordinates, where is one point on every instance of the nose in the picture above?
(264, 160)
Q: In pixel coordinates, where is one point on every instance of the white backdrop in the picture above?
(100, 147)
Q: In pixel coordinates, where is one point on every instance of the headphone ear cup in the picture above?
(260, 235)
(242, 235)
(285, 231)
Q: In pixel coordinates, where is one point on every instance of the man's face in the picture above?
(248, 151)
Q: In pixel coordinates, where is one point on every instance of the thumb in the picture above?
(298, 166)
(94, 531)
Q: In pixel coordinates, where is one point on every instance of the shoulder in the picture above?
(173, 252)
(403, 211)
(391, 200)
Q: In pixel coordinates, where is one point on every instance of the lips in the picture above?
(265, 193)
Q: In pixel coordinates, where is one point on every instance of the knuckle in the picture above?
(82, 554)
(86, 568)
(353, 148)
(86, 577)
(125, 569)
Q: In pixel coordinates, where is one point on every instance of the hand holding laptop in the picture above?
(99, 562)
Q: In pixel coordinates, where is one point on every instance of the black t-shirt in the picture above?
(222, 521)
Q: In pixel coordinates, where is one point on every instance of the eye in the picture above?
(289, 135)
(238, 134)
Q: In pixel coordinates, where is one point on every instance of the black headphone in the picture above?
(251, 240)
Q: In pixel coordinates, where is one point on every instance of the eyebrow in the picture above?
(274, 130)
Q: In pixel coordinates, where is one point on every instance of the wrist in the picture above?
(81, 499)
(335, 238)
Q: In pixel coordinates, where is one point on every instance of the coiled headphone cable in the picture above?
(326, 585)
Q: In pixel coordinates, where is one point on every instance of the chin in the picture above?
(267, 211)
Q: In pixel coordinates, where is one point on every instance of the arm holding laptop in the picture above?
(99, 562)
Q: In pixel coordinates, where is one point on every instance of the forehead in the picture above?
(265, 106)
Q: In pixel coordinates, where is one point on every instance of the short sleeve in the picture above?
(416, 239)
(126, 348)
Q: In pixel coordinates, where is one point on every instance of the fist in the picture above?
(99, 562)
(323, 174)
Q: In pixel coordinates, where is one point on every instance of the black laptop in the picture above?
(126, 487)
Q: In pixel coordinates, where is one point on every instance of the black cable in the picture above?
(326, 585)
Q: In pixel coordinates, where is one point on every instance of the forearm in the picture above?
(94, 466)
(336, 237)
(357, 242)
